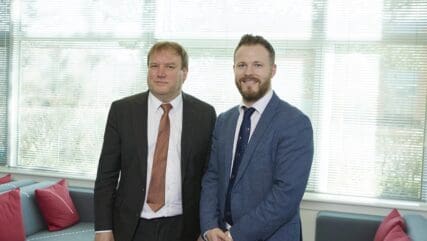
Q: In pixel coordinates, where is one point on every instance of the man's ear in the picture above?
(184, 74)
(273, 70)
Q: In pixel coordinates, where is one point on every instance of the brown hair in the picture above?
(170, 46)
(249, 39)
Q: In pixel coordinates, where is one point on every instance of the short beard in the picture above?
(253, 96)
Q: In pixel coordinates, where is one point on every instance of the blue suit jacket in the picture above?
(272, 176)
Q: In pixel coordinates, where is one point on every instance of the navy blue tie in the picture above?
(242, 142)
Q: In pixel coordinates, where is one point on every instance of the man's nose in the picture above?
(248, 70)
(161, 73)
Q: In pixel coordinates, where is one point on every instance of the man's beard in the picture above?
(250, 95)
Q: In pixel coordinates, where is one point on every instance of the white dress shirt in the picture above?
(259, 107)
(173, 197)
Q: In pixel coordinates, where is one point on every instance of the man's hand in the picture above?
(104, 236)
(228, 234)
(200, 238)
(216, 234)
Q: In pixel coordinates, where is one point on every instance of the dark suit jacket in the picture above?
(271, 179)
(119, 201)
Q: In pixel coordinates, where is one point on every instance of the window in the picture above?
(4, 53)
(358, 68)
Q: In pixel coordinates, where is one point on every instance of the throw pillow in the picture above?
(393, 219)
(11, 222)
(397, 234)
(56, 206)
(6, 179)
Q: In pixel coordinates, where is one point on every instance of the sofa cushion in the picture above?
(82, 231)
(83, 200)
(390, 221)
(33, 221)
(56, 206)
(416, 227)
(11, 226)
(6, 179)
(331, 226)
(396, 234)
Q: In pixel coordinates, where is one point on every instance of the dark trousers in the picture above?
(159, 229)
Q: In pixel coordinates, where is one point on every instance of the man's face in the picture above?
(253, 71)
(165, 74)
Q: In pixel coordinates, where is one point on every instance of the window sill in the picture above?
(375, 206)
(43, 175)
(311, 201)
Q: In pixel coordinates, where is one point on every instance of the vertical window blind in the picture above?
(358, 68)
(4, 57)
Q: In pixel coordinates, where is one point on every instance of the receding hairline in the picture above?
(174, 47)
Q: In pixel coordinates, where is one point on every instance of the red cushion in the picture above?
(56, 206)
(393, 219)
(5, 179)
(11, 222)
(397, 234)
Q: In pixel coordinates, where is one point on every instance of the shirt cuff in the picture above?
(103, 231)
(205, 236)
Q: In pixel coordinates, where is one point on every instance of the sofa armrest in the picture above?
(340, 226)
(83, 200)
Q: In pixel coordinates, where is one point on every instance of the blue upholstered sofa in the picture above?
(341, 226)
(34, 225)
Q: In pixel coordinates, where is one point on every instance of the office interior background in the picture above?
(357, 68)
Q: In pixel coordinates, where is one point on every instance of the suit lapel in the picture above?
(230, 128)
(189, 117)
(260, 130)
(140, 114)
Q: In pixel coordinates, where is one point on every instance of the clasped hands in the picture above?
(217, 234)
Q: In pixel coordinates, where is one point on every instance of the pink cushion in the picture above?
(11, 222)
(397, 234)
(392, 220)
(6, 179)
(56, 206)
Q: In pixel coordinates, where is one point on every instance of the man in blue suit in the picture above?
(262, 151)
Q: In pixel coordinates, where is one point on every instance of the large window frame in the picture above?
(317, 47)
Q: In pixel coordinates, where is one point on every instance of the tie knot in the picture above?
(248, 111)
(166, 107)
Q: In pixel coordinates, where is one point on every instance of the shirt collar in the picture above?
(155, 103)
(260, 104)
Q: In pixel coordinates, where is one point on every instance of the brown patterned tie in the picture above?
(156, 191)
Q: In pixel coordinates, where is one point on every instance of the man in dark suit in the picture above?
(155, 149)
(261, 157)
